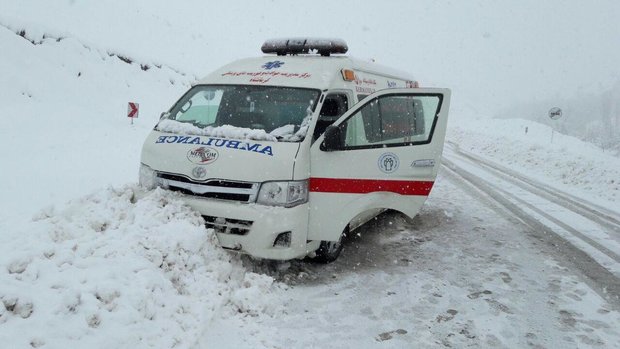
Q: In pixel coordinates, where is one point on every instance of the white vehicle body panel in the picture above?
(351, 183)
(308, 72)
(170, 153)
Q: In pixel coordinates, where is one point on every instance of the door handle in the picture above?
(423, 163)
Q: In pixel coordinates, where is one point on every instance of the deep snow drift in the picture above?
(109, 270)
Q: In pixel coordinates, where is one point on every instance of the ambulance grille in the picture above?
(228, 225)
(210, 189)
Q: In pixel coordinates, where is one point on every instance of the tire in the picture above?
(330, 250)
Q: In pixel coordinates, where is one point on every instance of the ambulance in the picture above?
(285, 154)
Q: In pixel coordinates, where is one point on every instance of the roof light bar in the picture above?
(294, 46)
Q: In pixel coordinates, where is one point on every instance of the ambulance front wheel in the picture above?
(330, 250)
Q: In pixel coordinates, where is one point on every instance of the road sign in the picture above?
(555, 113)
(132, 110)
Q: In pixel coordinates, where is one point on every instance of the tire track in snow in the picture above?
(594, 212)
(599, 278)
(597, 238)
(600, 247)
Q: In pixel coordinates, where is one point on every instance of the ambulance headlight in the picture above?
(148, 177)
(287, 194)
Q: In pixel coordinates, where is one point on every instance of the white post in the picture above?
(552, 132)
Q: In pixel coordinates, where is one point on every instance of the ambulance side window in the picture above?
(392, 120)
(333, 107)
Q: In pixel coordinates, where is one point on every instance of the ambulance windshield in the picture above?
(281, 113)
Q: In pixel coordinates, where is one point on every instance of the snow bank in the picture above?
(574, 166)
(109, 270)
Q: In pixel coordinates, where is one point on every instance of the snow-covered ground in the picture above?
(84, 263)
(565, 162)
(63, 113)
(108, 270)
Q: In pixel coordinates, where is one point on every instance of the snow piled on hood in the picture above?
(225, 131)
(111, 270)
(284, 133)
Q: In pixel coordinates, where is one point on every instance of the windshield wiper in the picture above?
(201, 125)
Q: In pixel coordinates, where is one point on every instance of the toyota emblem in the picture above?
(199, 172)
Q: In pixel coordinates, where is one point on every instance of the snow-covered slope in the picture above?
(565, 162)
(64, 128)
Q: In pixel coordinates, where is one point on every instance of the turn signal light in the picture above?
(348, 75)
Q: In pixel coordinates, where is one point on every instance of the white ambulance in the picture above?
(284, 154)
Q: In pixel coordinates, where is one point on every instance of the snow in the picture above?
(146, 271)
(64, 126)
(284, 133)
(575, 166)
(88, 260)
(225, 131)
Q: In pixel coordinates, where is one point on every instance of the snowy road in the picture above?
(475, 268)
(585, 234)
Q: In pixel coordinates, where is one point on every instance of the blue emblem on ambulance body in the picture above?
(272, 65)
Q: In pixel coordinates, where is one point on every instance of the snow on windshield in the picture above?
(243, 112)
(286, 133)
(225, 131)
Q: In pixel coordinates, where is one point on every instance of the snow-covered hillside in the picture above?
(592, 115)
(562, 161)
(63, 107)
(89, 260)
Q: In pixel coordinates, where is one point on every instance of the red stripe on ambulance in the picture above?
(364, 186)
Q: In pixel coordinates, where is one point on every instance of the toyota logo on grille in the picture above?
(199, 172)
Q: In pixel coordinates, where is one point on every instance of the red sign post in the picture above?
(132, 110)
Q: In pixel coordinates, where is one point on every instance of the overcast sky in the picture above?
(491, 53)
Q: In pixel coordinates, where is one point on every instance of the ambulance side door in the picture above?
(384, 153)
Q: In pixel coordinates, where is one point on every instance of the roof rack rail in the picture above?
(294, 46)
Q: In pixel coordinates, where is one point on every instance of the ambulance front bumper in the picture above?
(261, 231)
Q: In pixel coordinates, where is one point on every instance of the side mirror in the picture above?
(333, 139)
